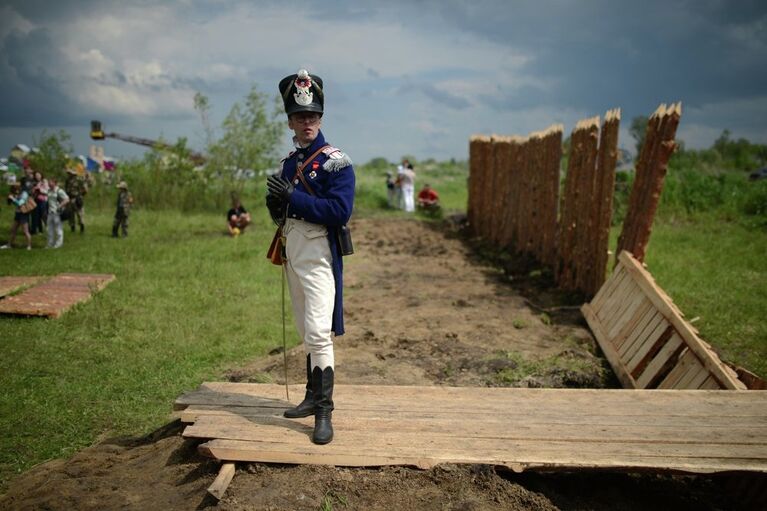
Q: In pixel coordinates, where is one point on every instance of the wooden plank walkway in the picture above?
(10, 284)
(698, 431)
(55, 296)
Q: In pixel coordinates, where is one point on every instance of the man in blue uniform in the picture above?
(312, 198)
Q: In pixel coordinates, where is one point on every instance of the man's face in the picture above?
(306, 126)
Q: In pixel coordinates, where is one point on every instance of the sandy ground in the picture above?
(421, 309)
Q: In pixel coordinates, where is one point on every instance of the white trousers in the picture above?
(407, 195)
(55, 231)
(312, 288)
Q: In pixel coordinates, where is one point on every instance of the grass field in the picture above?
(189, 302)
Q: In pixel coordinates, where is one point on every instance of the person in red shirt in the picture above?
(428, 198)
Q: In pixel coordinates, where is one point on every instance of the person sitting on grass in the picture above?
(428, 199)
(237, 218)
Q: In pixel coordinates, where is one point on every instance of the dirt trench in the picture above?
(421, 309)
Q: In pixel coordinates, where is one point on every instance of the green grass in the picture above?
(525, 366)
(188, 302)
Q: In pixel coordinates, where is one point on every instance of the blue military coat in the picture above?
(331, 176)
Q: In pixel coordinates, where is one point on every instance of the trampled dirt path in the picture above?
(420, 310)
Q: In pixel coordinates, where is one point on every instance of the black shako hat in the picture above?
(302, 92)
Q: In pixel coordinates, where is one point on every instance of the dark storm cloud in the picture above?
(432, 93)
(562, 57)
(598, 54)
(30, 81)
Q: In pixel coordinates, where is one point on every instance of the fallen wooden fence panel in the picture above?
(646, 339)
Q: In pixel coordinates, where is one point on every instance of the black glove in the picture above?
(276, 208)
(280, 187)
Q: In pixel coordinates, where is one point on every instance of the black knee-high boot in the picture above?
(306, 407)
(322, 383)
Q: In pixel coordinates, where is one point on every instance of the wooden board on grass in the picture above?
(685, 431)
(55, 296)
(10, 285)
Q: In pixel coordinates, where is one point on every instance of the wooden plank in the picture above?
(686, 360)
(607, 348)
(710, 384)
(634, 328)
(694, 376)
(494, 451)
(656, 295)
(528, 417)
(698, 380)
(264, 452)
(628, 297)
(682, 430)
(615, 300)
(56, 296)
(404, 442)
(658, 336)
(627, 314)
(368, 397)
(471, 400)
(659, 362)
(10, 284)
(221, 483)
(636, 340)
(608, 288)
(650, 430)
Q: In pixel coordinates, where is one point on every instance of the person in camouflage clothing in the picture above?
(124, 201)
(76, 188)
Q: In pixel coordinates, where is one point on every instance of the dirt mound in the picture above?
(421, 309)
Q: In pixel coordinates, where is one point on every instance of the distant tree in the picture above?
(378, 163)
(721, 143)
(637, 130)
(250, 134)
(740, 154)
(53, 153)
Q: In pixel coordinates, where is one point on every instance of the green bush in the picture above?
(169, 180)
(754, 201)
(702, 182)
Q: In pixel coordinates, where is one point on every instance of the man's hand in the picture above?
(280, 187)
(276, 208)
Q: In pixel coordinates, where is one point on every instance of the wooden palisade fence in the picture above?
(515, 202)
(650, 172)
(584, 227)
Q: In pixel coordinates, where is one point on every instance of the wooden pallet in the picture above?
(646, 339)
(10, 285)
(55, 296)
(688, 431)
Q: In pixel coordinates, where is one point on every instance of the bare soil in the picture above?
(421, 309)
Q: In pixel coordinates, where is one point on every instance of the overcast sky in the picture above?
(411, 77)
